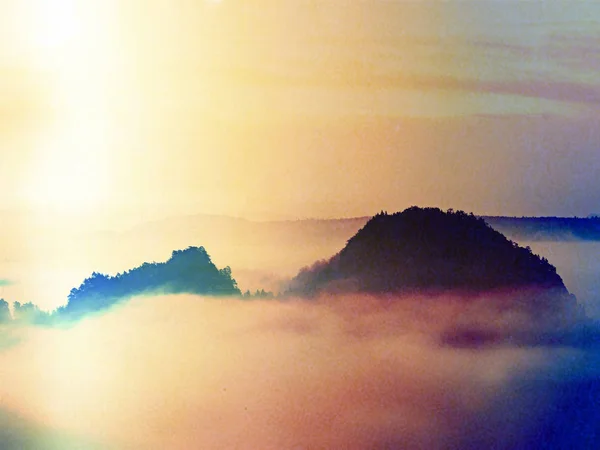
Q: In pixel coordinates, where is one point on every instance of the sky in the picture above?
(281, 109)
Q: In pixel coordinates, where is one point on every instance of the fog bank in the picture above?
(351, 372)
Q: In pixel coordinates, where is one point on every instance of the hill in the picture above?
(187, 271)
(429, 249)
(257, 252)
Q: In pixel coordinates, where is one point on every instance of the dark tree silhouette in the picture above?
(29, 314)
(5, 316)
(427, 248)
(187, 271)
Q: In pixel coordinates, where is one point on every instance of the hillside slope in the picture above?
(187, 271)
(429, 249)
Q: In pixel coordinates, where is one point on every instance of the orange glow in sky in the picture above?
(295, 109)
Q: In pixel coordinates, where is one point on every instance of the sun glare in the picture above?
(71, 46)
(56, 22)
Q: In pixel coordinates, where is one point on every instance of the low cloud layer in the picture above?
(339, 372)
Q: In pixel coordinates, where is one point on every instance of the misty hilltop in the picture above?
(187, 271)
(429, 249)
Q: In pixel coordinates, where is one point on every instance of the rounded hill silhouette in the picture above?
(187, 271)
(429, 249)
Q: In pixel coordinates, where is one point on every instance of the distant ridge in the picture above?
(547, 228)
(532, 228)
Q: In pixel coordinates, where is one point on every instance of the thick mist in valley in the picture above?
(353, 372)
